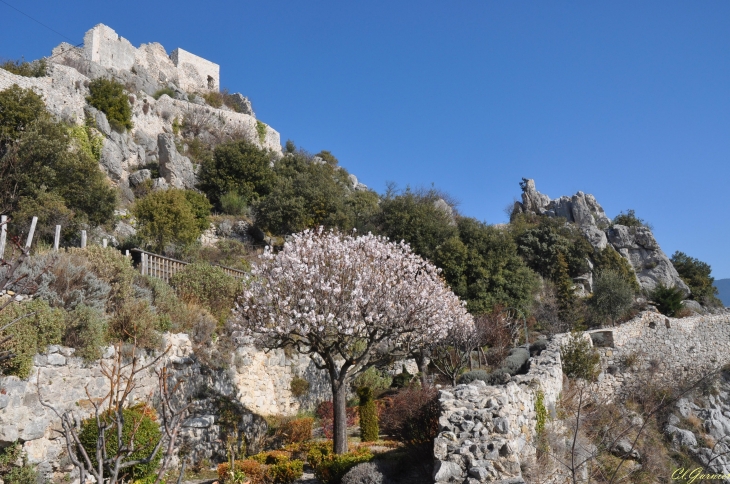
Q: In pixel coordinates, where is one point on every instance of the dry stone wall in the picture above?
(257, 384)
(487, 432)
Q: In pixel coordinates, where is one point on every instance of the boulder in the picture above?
(174, 167)
(580, 210)
(139, 177)
(681, 437)
(595, 236)
(693, 306)
(624, 448)
(532, 200)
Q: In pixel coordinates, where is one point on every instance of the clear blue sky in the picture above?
(629, 101)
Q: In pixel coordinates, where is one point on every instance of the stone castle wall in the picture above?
(190, 72)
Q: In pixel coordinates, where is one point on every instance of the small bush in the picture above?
(273, 467)
(139, 418)
(167, 217)
(329, 467)
(540, 412)
(41, 327)
(208, 286)
(9, 457)
(135, 321)
(516, 362)
(158, 94)
(402, 379)
(86, 331)
(629, 219)
(378, 381)
(108, 97)
(297, 430)
(261, 130)
(612, 296)
(299, 386)
(368, 415)
(668, 300)
(580, 360)
(21, 67)
(473, 375)
(233, 204)
(411, 416)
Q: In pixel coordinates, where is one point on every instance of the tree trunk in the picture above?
(339, 401)
(423, 368)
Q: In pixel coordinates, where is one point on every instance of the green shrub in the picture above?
(609, 259)
(40, 155)
(233, 204)
(696, 274)
(9, 472)
(208, 286)
(88, 140)
(629, 219)
(167, 217)
(108, 97)
(237, 167)
(299, 386)
(515, 362)
(402, 379)
(580, 360)
(612, 296)
(144, 439)
(668, 300)
(261, 130)
(21, 67)
(540, 412)
(51, 210)
(43, 326)
(368, 411)
(166, 90)
(86, 330)
(473, 375)
(378, 381)
(112, 267)
(19, 108)
(200, 206)
(286, 472)
(329, 467)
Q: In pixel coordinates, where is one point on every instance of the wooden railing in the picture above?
(165, 267)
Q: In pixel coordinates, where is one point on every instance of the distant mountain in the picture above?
(723, 289)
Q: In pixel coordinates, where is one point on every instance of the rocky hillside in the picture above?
(635, 243)
(167, 94)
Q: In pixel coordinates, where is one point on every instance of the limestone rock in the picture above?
(693, 306)
(174, 167)
(139, 177)
(681, 437)
(532, 200)
(651, 265)
(624, 448)
(242, 103)
(595, 236)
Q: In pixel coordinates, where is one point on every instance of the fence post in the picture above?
(83, 239)
(126, 253)
(103, 243)
(144, 264)
(31, 232)
(3, 234)
(57, 238)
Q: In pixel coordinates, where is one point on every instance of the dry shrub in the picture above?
(326, 414)
(411, 416)
(135, 321)
(297, 430)
(495, 331)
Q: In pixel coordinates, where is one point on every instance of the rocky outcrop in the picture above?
(636, 244)
(144, 71)
(175, 168)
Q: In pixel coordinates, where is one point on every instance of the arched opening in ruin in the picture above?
(211, 82)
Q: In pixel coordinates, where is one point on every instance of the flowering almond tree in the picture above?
(348, 302)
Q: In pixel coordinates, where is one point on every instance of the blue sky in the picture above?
(629, 101)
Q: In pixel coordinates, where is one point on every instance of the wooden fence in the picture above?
(149, 264)
(165, 267)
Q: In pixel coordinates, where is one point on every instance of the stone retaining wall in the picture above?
(257, 384)
(674, 350)
(487, 432)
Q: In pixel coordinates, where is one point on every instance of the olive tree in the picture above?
(349, 302)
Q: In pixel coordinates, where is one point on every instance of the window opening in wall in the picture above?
(211, 82)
